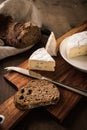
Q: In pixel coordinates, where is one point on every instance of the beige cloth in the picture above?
(6, 51)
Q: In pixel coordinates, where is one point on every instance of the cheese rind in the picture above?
(76, 45)
(51, 45)
(41, 60)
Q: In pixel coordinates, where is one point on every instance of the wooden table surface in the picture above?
(62, 16)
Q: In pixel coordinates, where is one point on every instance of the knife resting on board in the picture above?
(39, 76)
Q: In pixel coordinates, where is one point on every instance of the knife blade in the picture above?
(39, 76)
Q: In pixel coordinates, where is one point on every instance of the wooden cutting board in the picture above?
(64, 73)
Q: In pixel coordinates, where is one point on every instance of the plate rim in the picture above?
(67, 60)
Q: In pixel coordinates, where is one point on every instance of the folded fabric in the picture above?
(13, 8)
(6, 51)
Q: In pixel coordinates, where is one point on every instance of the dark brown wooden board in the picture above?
(11, 114)
(64, 73)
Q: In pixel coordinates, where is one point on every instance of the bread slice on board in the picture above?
(35, 94)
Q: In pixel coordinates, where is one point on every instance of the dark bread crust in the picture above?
(35, 94)
(19, 35)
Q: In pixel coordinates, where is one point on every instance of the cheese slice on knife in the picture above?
(41, 60)
(51, 45)
(76, 44)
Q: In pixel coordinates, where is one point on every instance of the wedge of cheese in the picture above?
(76, 44)
(41, 60)
(51, 45)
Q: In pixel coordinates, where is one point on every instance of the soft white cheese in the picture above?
(41, 60)
(51, 45)
(76, 44)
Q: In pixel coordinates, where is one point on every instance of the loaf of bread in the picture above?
(35, 94)
(19, 35)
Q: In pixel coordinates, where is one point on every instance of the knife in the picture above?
(39, 76)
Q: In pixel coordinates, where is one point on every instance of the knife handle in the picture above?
(2, 118)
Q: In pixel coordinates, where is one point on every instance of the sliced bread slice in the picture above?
(35, 94)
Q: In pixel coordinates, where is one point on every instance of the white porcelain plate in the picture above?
(79, 62)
